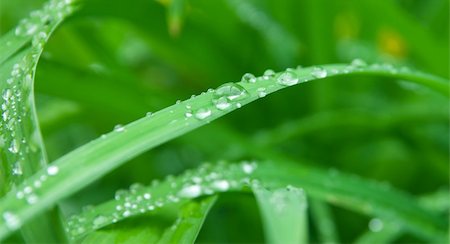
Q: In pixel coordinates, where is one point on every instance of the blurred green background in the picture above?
(114, 61)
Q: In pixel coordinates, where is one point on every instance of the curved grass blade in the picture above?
(322, 218)
(21, 148)
(188, 225)
(82, 166)
(344, 190)
(284, 214)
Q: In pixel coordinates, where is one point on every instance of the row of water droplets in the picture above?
(16, 97)
(29, 194)
(206, 180)
(16, 102)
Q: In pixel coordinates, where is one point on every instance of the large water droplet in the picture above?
(203, 113)
(15, 146)
(11, 220)
(222, 103)
(287, 78)
(231, 91)
(248, 77)
(268, 74)
(319, 72)
(190, 191)
(99, 220)
(375, 225)
(52, 170)
(358, 63)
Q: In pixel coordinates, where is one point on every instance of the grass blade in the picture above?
(284, 214)
(188, 225)
(322, 219)
(82, 166)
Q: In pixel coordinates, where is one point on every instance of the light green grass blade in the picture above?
(284, 214)
(323, 221)
(22, 150)
(366, 197)
(188, 225)
(82, 166)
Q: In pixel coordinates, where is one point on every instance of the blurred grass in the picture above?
(113, 61)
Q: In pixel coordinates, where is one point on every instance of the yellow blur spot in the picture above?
(392, 43)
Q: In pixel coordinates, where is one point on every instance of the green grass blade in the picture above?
(366, 197)
(82, 166)
(284, 214)
(22, 151)
(323, 221)
(188, 225)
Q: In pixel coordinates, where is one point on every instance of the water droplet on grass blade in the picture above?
(203, 113)
(222, 103)
(11, 220)
(248, 77)
(287, 78)
(268, 74)
(52, 170)
(319, 72)
(119, 128)
(231, 91)
(375, 225)
(190, 191)
(358, 63)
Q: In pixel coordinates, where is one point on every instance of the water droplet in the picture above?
(248, 77)
(222, 103)
(120, 194)
(28, 190)
(149, 114)
(135, 188)
(231, 91)
(32, 199)
(248, 168)
(203, 113)
(221, 185)
(287, 78)
(147, 196)
(190, 191)
(375, 225)
(358, 63)
(119, 128)
(11, 220)
(52, 170)
(261, 92)
(188, 114)
(126, 213)
(17, 169)
(14, 147)
(7, 94)
(319, 72)
(268, 74)
(99, 220)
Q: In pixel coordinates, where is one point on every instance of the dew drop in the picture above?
(375, 225)
(120, 194)
(32, 199)
(287, 78)
(221, 185)
(190, 191)
(231, 91)
(248, 168)
(11, 220)
(222, 103)
(358, 63)
(147, 196)
(188, 114)
(52, 170)
(7, 94)
(261, 92)
(17, 169)
(268, 74)
(99, 220)
(319, 72)
(203, 113)
(248, 77)
(149, 114)
(119, 128)
(14, 147)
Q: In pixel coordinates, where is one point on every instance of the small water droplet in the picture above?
(203, 113)
(287, 78)
(248, 168)
(120, 194)
(222, 103)
(375, 225)
(52, 170)
(231, 91)
(190, 191)
(7, 94)
(358, 63)
(17, 169)
(149, 114)
(261, 92)
(147, 196)
(12, 221)
(32, 199)
(268, 74)
(119, 128)
(14, 147)
(188, 114)
(319, 72)
(221, 185)
(99, 220)
(248, 77)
